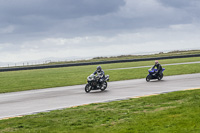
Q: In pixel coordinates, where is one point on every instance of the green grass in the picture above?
(124, 57)
(121, 57)
(176, 112)
(56, 77)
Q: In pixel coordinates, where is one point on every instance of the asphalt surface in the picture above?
(30, 102)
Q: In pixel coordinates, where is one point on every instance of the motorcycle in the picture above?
(152, 75)
(96, 83)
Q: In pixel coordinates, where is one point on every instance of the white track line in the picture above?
(151, 65)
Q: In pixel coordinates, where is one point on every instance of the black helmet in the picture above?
(99, 68)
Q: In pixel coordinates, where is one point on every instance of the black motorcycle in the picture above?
(96, 83)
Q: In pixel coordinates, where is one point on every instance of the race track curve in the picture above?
(34, 101)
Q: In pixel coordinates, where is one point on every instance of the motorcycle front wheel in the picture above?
(104, 86)
(87, 88)
(148, 78)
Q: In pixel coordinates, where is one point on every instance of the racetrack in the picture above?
(29, 102)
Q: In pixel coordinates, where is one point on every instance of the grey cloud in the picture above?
(36, 19)
(138, 14)
(192, 7)
(179, 3)
(59, 8)
(31, 18)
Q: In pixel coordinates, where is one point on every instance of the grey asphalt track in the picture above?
(34, 101)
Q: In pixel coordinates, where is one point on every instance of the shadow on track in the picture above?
(97, 91)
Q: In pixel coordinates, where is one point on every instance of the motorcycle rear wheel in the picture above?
(87, 88)
(160, 77)
(104, 86)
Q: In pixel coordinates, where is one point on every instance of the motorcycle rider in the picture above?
(159, 68)
(100, 73)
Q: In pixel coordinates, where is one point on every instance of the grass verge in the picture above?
(171, 112)
(121, 57)
(56, 77)
(124, 57)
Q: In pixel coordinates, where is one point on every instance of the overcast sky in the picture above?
(67, 29)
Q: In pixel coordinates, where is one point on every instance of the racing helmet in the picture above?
(99, 68)
(156, 62)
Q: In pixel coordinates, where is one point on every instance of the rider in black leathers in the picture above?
(159, 68)
(100, 73)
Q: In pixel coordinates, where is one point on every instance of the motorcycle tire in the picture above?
(148, 78)
(87, 88)
(104, 86)
(160, 77)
